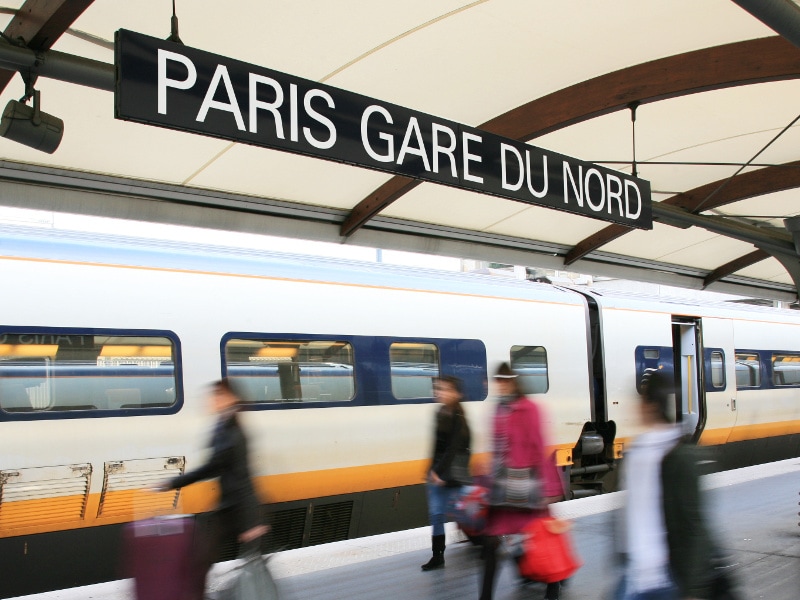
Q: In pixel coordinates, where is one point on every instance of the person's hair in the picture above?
(657, 390)
(505, 373)
(226, 385)
(453, 382)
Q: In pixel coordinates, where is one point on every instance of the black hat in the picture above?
(504, 372)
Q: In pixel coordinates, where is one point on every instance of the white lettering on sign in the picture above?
(199, 92)
(414, 143)
(232, 106)
(628, 213)
(439, 149)
(614, 189)
(418, 149)
(468, 158)
(221, 85)
(524, 171)
(609, 192)
(164, 82)
(599, 202)
(370, 110)
(321, 119)
(272, 107)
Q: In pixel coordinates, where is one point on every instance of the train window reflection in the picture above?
(530, 362)
(43, 372)
(748, 370)
(414, 366)
(269, 370)
(786, 369)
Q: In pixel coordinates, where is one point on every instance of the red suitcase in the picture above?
(164, 559)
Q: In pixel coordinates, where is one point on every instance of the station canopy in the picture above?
(699, 97)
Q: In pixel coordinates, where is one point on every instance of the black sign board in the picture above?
(171, 85)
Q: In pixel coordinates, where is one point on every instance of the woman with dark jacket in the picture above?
(237, 514)
(449, 468)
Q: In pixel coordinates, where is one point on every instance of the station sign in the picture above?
(170, 85)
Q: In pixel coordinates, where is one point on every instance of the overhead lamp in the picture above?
(30, 126)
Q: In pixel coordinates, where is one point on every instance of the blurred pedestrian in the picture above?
(693, 552)
(237, 514)
(519, 444)
(449, 468)
(642, 529)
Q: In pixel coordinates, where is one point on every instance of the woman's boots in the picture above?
(437, 560)
(552, 591)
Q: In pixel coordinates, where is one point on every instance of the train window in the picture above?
(284, 370)
(414, 366)
(653, 358)
(51, 373)
(530, 362)
(715, 370)
(748, 370)
(786, 369)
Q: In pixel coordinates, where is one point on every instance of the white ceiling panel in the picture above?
(471, 62)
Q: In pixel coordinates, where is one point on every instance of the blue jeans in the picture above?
(440, 497)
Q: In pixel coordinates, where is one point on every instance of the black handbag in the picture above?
(459, 469)
(516, 488)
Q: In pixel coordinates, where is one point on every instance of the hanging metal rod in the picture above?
(783, 16)
(58, 65)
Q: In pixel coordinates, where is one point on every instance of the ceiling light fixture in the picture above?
(30, 126)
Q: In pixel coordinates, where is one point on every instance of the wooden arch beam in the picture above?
(735, 265)
(39, 24)
(730, 65)
(706, 197)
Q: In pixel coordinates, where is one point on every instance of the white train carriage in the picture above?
(107, 346)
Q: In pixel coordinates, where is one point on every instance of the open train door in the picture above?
(705, 378)
(687, 347)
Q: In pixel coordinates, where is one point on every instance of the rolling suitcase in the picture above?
(163, 558)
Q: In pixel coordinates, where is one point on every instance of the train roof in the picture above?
(113, 249)
(685, 306)
(107, 249)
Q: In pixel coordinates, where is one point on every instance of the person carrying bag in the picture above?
(524, 477)
(449, 467)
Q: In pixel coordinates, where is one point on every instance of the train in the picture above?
(108, 345)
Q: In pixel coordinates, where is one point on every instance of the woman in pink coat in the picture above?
(519, 442)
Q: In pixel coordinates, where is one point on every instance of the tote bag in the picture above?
(548, 555)
(249, 581)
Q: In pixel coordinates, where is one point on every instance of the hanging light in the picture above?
(30, 126)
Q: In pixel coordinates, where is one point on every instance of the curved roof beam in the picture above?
(735, 265)
(746, 185)
(39, 24)
(730, 65)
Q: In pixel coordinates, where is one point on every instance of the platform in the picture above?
(755, 512)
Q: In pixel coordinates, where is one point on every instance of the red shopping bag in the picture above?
(548, 555)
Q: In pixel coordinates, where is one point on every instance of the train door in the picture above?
(687, 350)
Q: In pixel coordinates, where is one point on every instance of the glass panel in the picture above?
(530, 363)
(717, 370)
(786, 369)
(651, 353)
(56, 372)
(748, 370)
(414, 367)
(291, 370)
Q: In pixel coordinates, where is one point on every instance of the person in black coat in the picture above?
(449, 468)
(237, 513)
